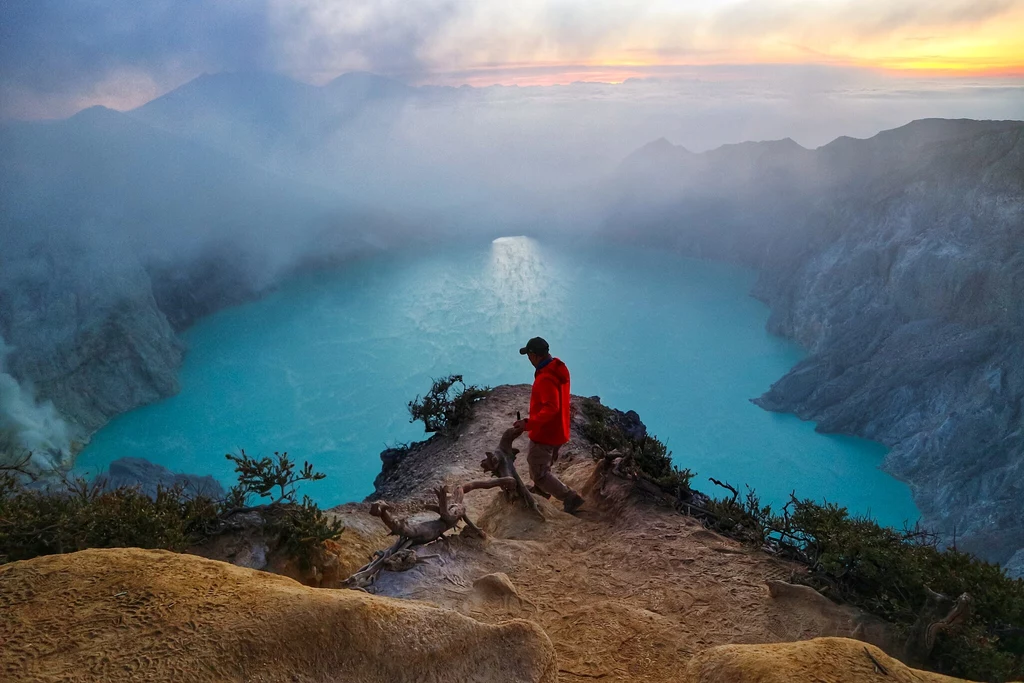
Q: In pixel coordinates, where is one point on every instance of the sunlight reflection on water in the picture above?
(519, 283)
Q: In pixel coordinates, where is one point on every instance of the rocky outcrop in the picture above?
(148, 477)
(84, 333)
(822, 660)
(627, 588)
(914, 321)
(897, 263)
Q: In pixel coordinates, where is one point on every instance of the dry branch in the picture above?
(502, 463)
(451, 509)
(878, 665)
(726, 485)
(940, 613)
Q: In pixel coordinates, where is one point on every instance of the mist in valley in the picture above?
(210, 194)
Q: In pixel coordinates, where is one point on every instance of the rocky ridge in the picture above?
(627, 589)
(128, 614)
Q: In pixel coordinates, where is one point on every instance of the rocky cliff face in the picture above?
(89, 339)
(898, 263)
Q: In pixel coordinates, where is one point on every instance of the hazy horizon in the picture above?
(58, 58)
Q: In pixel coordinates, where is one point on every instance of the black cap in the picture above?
(536, 345)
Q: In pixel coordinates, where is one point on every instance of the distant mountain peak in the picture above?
(368, 84)
(98, 114)
(660, 143)
(95, 111)
(661, 146)
(240, 86)
(363, 76)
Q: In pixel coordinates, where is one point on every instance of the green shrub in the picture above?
(649, 455)
(34, 522)
(82, 515)
(746, 520)
(443, 410)
(888, 573)
(599, 426)
(654, 459)
(300, 527)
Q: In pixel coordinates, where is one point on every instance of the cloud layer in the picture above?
(57, 57)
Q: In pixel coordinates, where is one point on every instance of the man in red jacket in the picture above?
(548, 422)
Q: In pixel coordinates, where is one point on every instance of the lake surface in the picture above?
(324, 367)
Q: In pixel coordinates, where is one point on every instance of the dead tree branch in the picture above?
(940, 613)
(502, 463)
(20, 467)
(726, 485)
(451, 509)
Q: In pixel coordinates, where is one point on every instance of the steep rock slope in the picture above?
(898, 263)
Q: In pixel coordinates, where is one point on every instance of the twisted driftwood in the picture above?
(450, 508)
(502, 463)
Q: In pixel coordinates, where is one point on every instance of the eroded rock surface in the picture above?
(129, 614)
(822, 660)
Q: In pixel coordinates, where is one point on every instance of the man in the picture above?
(548, 422)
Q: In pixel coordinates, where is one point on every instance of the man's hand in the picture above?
(519, 424)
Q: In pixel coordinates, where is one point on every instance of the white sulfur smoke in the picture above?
(29, 426)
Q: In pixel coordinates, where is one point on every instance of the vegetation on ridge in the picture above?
(81, 514)
(444, 407)
(301, 527)
(648, 454)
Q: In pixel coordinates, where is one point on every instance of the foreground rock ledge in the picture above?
(132, 615)
(822, 660)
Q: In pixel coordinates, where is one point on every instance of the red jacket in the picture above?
(548, 422)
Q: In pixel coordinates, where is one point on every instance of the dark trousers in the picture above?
(539, 458)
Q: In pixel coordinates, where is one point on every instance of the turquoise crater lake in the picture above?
(324, 366)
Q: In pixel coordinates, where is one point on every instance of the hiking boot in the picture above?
(536, 491)
(572, 503)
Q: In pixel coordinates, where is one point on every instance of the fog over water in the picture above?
(323, 368)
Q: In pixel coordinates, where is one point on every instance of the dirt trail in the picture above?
(626, 590)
